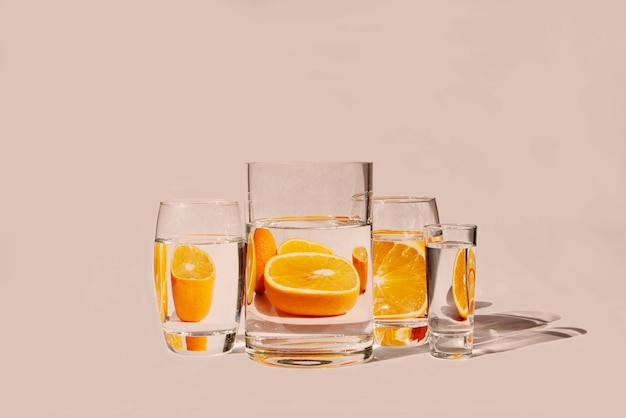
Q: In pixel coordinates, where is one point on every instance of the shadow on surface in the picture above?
(507, 331)
(493, 333)
(382, 353)
(497, 333)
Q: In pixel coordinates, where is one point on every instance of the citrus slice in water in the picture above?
(399, 270)
(174, 341)
(392, 336)
(193, 276)
(471, 279)
(196, 342)
(311, 284)
(250, 269)
(264, 249)
(160, 278)
(360, 262)
(464, 294)
(399, 336)
(294, 245)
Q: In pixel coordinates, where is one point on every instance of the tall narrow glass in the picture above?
(399, 268)
(451, 271)
(198, 274)
(308, 279)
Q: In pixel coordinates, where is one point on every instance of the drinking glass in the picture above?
(198, 274)
(308, 281)
(451, 271)
(399, 268)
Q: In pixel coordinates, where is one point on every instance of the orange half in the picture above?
(463, 281)
(360, 262)
(193, 277)
(160, 278)
(399, 271)
(264, 249)
(294, 245)
(311, 284)
(250, 269)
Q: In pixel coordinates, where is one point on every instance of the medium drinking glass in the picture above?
(399, 268)
(308, 291)
(198, 274)
(451, 270)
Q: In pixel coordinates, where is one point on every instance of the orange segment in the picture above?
(399, 336)
(399, 270)
(250, 269)
(294, 245)
(193, 276)
(471, 279)
(264, 248)
(464, 294)
(160, 278)
(392, 336)
(196, 342)
(174, 341)
(359, 260)
(311, 284)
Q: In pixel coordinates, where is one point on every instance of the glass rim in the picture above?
(450, 226)
(198, 201)
(402, 199)
(308, 162)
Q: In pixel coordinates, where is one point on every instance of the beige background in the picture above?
(511, 113)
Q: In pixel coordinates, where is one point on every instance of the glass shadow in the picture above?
(497, 333)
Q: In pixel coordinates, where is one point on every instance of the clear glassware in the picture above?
(198, 274)
(451, 252)
(399, 268)
(308, 291)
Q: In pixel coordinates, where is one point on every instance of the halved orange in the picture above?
(294, 245)
(360, 262)
(160, 278)
(399, 270)
(264, 248)
(463, 293)
(193, 276)
(311, 284)
(471, 279)
(250, 269)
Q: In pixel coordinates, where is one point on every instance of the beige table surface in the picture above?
(510, 113)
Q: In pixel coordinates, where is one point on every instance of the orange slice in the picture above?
(193, 276)
(399, 270)
(160, 278)
(294, 245)
(464, 294)
(264, 248)
(250, 269)
(471, 279)
(359, 260)
(311, 284)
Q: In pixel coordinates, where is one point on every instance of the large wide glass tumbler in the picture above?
(308, 275)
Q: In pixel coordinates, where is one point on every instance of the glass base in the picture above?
(451, 345)
(201, 344)
(309, 352)
(396, 335)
